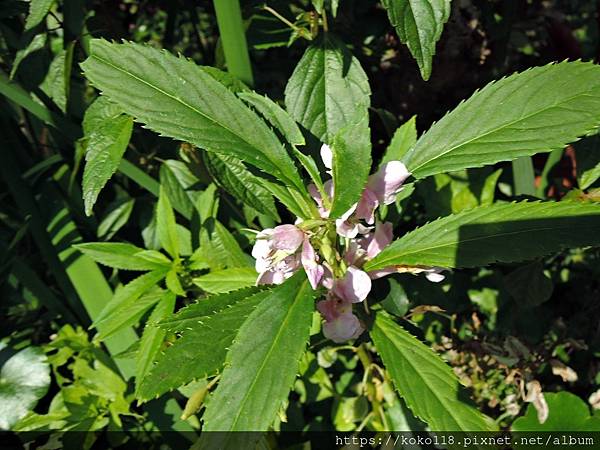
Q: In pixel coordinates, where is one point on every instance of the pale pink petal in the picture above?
(346, 228)
(314, 271)
(367, 205)
(316, 195)
(271, 277)
(343, 328)
(287, 238)
(375, 274)
(327, 156)
(354, 287)
(387, 181)
(327, 280)
(381, 238)
(434, 275)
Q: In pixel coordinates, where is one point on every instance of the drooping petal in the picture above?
(367, 205)
(346, 228)
(387, 181)
(287, 238)
(314, 271)
(327, 156)
(354, 287)
(380, 239)
(434, 275)
(327, 279)
(343, 328)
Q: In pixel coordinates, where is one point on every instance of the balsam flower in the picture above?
(340, 324)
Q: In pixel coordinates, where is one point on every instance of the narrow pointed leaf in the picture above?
(38, 9)
(539, 110)
(166, 227)
(328, 89)
(226, 280)
(207, 330)
(502, 232)
(119, 256)
(179, 99)
(403, 140)
(419, 24)
(262, 363)
(428, 385)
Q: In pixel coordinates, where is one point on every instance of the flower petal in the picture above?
(354, 287)
(344, 327)
(314, 271)
(327, 156)
(380, 239)
(387, 181)
(287, 238)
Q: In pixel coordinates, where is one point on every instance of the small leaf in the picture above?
(262, 363)
(118, 255)
(128, 305)
(328, 89)
(226, 280)
(219, 249)
(24, 379)
(37, 43)
(419, 25)
(276, 116)
(587, 152)
(231, 174)
(166, 227)
(538, 110)
(179, 182)
(428, 385)
(107, 135)
(173, 283)
(38, 10)
(403, 140)
(191, 106)
(153, 336)
(208, 328)
(351, 158)
(117, 216)
(505, 232)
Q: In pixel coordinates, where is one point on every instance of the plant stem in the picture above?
(233, 39)
(523, 176)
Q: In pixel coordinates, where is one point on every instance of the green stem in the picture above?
(233, 39)
(553, 158)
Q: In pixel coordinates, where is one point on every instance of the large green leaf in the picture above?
(231, 174)
(351, 158)
(328, 89)
(419, 24)
(428, 385)
(120, 256)
(502, 232)
(262, 364)
(538, 110)
(179, 99)
(106, 135)
(207, 330)
(24, 379)
(180, 185)
(219, 249)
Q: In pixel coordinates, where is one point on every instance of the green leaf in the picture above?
(403, 140)
(179, 184)
(24, 379)
(419, 24)
(502, 232)
(427, 384)
(107, 132)
(173, 283)
(117, 216)
(38, 9)
(538, 110)
(528, 285)
(566, 412)
(37, 43)
(231, 174)
(153, 336)
(587, 152)
(181, 100)
(226, 280)
(207, 331)
(166, 227)
(328, 89)
(127, 305)
(56, 82)
(119, 256)
(263, 362)
(276, 116)
(219, 249)
(351, 158)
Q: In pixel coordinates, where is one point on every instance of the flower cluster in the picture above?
(281, 251)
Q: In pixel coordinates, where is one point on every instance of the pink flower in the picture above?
(274, 251)
(314, 271)
(316, 195)
(340, 324)
(353, 287)
(287, 238)
(279, 271)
